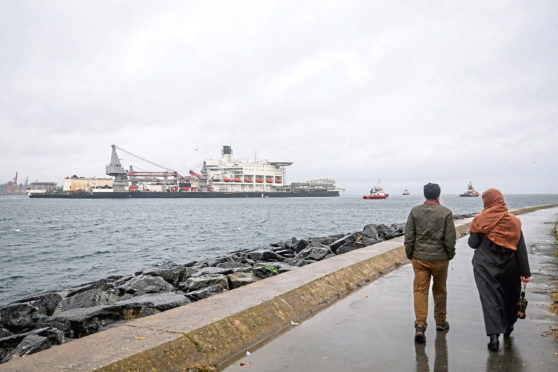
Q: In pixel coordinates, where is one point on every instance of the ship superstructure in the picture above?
(233, 175)
(471, 192)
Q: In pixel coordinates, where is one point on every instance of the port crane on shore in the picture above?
(13, 188)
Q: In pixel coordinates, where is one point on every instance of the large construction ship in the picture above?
(223, 178)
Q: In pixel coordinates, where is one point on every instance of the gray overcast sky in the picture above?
(405, 91)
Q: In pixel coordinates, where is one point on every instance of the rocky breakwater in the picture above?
(38, 322)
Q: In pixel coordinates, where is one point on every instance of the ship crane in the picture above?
(169, 176)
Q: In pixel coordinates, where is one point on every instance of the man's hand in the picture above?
(525, 279)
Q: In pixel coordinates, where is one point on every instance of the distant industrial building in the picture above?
(76, 183)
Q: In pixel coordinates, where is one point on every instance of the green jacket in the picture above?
(430, 233)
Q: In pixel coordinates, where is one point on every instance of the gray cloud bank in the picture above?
(405, 91)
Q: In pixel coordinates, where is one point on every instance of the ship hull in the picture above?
(191, 195)
(375, 196)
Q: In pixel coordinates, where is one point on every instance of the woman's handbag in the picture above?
(522, 303)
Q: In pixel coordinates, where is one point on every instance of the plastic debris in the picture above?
(364, 296)
(139, 338)
(248, 353)
(293, 323)
(245, 364)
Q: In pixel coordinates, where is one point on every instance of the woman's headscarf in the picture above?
(503, 229)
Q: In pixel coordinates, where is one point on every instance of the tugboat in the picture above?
(377, 192)
(406, 192)
(471, 192)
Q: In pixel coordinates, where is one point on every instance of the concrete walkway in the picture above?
(372, 329)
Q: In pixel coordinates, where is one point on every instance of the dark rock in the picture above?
(243, 269)
(371, 232)
(297, 262)
(232, 265)
(314, 252)
(205, 292)
(385, 232)
(170, 272)
(241, 279)
(45, 303)
(267, 269)
(142, 284)
(368, 241)
(340, 242)
(61, 324)
(264, 255)
(84, 321)
(4, 332)
(285, 252)
(210, 271)
(55, 336)
(88, 298)
(12, 345)
(248, 261)
(300, 245)
(18, 317)
(103, 284)
(281, 267)
(200, 282)
(398, 229)
(214, 262)
(89, 320)
(29, 345)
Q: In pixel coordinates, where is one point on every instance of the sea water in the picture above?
(50, 244)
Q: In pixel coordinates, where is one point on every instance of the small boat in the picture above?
(377, 192)
(406, 192)
(471, 192)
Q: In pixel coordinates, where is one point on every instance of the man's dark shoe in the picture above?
(419, 333)
(494, 344)
(508, 331)
(442, 326)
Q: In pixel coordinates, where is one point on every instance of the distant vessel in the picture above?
(406, 192)
(377, 192)
(471, 192)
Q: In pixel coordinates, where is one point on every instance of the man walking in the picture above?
(430, 244)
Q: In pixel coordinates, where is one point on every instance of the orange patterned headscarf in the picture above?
(502, 228)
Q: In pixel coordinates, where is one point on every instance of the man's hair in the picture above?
(431, 191)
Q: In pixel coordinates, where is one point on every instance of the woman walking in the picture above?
(500, 264)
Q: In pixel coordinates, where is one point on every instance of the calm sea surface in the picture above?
(55, 243)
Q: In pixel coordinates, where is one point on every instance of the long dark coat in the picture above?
(497, 274)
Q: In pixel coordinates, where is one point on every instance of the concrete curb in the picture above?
(210, 332)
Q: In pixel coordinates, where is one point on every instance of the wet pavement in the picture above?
(372, 329)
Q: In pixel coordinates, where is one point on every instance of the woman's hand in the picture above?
(525, 279)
